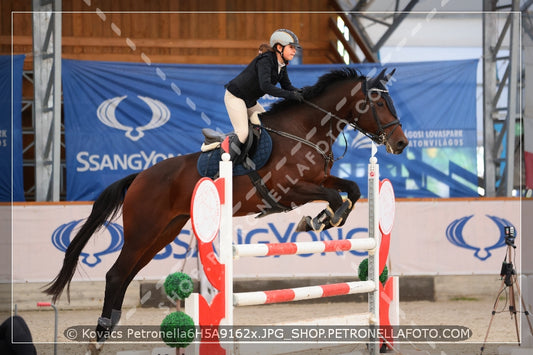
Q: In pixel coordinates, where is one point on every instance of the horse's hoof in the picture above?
(94, 348)
(304, 225)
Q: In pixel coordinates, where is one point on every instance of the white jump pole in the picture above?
(373, 255)
(302, 293)
(226, 234)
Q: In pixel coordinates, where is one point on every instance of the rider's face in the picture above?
(289, 52)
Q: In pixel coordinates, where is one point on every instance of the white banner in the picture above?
(429, 237)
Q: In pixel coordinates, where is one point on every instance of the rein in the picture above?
(331, 139)
(379, 138)
(327, 157)
(301, 140)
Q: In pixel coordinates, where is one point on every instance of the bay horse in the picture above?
(156, 202)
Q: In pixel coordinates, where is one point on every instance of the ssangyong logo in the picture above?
(63, 234)
(106, 115)
(454, 233)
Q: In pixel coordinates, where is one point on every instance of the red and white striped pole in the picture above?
(302, 293)
(264, 249)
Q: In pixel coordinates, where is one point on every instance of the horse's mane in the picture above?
(310, 92)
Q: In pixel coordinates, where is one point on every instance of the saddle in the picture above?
(212, 139)
(256, 153)
(240, 153)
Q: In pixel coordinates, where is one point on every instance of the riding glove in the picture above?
(296, 96)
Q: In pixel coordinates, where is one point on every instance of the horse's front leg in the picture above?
(337, 212)
(352, 189)
(304, 192)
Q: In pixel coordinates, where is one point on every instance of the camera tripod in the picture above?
(509, 280)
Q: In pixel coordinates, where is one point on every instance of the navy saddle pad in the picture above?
(208, 161)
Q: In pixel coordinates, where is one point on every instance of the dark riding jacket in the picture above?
(259, 78)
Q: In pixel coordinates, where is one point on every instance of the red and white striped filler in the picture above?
(266, 249)
(302, 293)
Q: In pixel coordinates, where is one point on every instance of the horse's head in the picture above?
(368, 108)
(375, 115)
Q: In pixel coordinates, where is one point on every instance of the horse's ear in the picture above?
(388, 76)
(375, 81)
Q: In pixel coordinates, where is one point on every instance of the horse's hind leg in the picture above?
(115, 278)
(137, 241)
(144, 257)
(110, 316)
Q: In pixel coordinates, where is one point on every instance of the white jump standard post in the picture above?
(226, 234)
(373, 255)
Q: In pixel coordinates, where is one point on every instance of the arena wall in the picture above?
(430, 266)
(429, 237)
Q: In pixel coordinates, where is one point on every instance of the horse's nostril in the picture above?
(400, 145)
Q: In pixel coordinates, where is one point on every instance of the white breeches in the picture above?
(239, 114)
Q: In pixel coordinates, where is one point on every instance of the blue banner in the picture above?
(122, 118)
(436, 103)
(11, 183)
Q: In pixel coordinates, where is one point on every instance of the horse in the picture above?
(156, 202)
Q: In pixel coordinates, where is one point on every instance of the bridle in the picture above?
(380, 137)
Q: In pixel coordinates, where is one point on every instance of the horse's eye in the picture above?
(380, 104)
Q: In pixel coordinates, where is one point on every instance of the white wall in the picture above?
(419, 243)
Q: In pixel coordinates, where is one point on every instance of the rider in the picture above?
(257, 79)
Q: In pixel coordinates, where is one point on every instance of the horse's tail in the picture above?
(105, 209)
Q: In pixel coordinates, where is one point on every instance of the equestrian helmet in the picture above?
(284, 37)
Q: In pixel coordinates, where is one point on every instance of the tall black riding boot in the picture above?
(236, 150)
